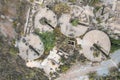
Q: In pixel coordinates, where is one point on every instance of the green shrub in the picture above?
(73, 1)
(115, 45)
(75, 22)
(114, 41)
(48, 39)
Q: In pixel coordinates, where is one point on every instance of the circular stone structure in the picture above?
(30, 47)
(95, 37)
(70, 30)
(76, 10)
(45, 14)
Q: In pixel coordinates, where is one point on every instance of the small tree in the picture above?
(75, 22)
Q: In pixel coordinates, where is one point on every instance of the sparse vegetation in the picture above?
(67, 62)
(64, 67)
(31, 0)
(61, 8)
(60, 38)
(90, 2)
(93, 2)
(96, 9)
(13, 50)
(113, 75)
(72, 1)
(12, 67)
(98, 20)
(75, 22)
(115, 45)
(96, 53)
(92, 75)
(82, 59)
(48, 39)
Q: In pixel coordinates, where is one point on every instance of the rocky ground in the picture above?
(12, 20)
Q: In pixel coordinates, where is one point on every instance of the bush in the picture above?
(114, 41)
(75, 22)
(94, 2)
(73, 1)
(13, 50)
(115, 45)
(48, 39)
(61, 8)
(64, 68)
(114, 48)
